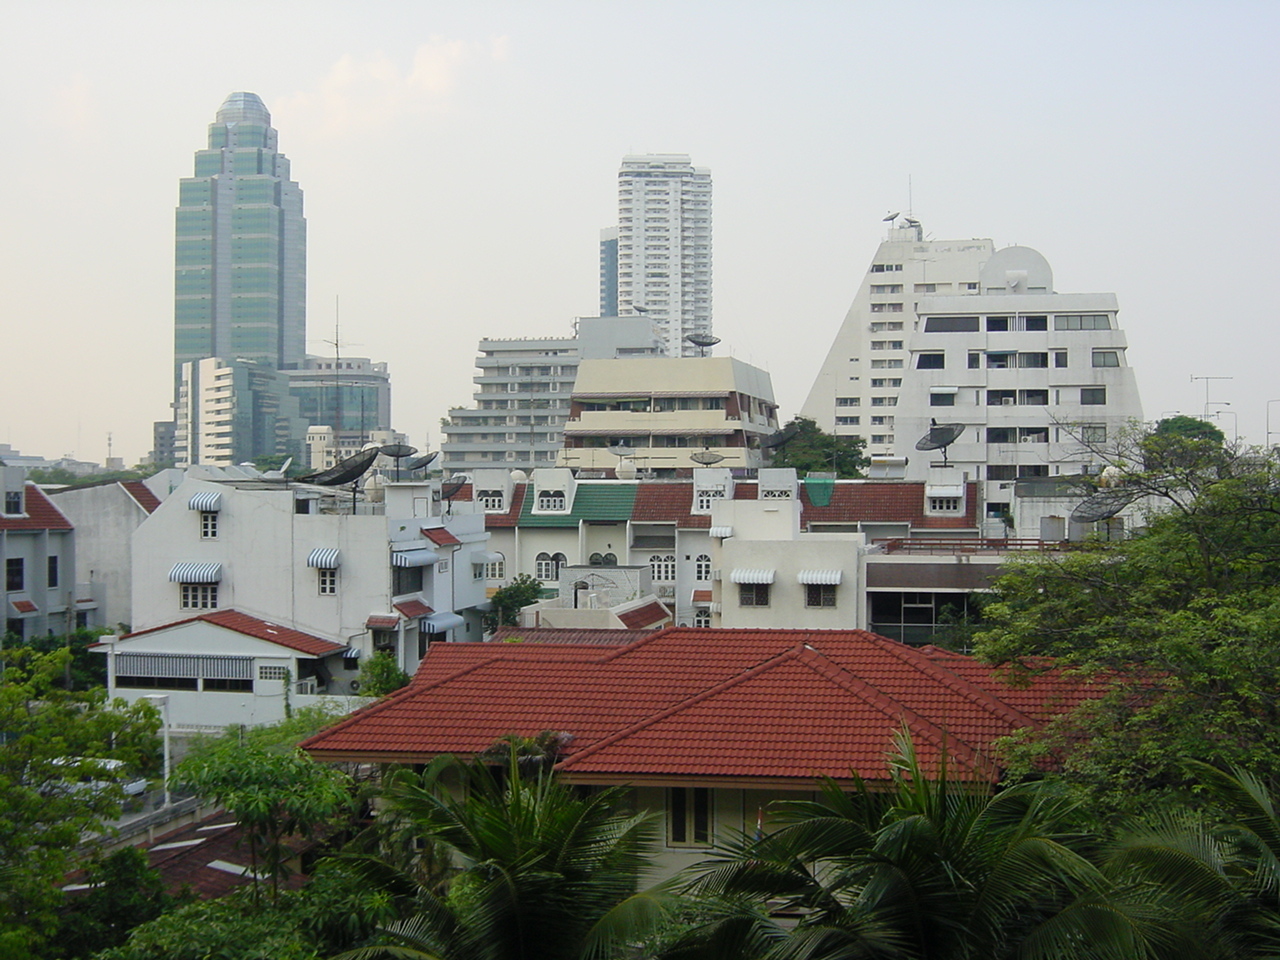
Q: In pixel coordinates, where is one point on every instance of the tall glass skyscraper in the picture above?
(240, 274)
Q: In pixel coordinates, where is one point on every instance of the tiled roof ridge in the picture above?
(966, 688)
(228, 620)
(672, 709)
(940, 736)
(140, 494)
(160, 626)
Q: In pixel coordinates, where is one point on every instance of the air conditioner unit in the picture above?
(1007, 401)
(666, 591)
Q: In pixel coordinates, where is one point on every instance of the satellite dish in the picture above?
(398, 451)
(702, 341)
(344, 471)
(939, 437)
(706, 457)
(421, 463)
(281, 473)
(892, 217)
(452, 487)
(639, 309)
(622, 450)
(781, 438)
(1102, 505)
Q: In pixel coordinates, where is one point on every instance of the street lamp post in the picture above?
(161, 700)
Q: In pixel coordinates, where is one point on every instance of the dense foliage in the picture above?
(811, 448)
(507, 601)
(380, 675)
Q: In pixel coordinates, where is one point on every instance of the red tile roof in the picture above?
(892, 501)
(567, 635)
(41, 514)
(512, 516)
(650, 615)
(378, 622)
(413, 609)
(440, 536)
(702, 596)
(257, 628)
(141, 494)
(24, 606)
(776, 706)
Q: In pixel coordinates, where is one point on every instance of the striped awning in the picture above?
(440, 622)
(752, 576)
(721, 532)
(420, 557)
(823, 577)
(323, 558)
(196, 572)
(206, 501)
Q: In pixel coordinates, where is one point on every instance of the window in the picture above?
(14, 574)
(931, 361)
(1059, 358)
(708, 496)
(820, 595)
(886, 344)
(886, 268)
(226, 684)
(702, 617)
(997, 324)
(199, 596)
(886, 308)
(496, 569)
(702, 567)
(1093, 433)
(405, 580)
(1034, 398)
(208, 525)
(1087, 321)
(944, 504)
(882, 438)
(1002, 435)
(663, 567)
(1033, 434)
(998, 510)
(327, 582)
(753, 594)
(1000, 361)
(1001, 471)
(951, 324)
(882, 421)
(848, 401)
(883, 288)
(13, 502)
(847, 421)
(1033, 360)
(975, 361)
(266, 672)
(490, 500)
(882, 382)
(52, 568)
(1035, 323)
(551, 500)
(1031, 470)
(1106, 358)
(886, 364)
(543, 567)
(880, 326)
(688, 816)
(1093, 396)
(884, 401)
(942, 399)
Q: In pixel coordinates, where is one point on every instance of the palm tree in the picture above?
(928, 869)
(538, 871)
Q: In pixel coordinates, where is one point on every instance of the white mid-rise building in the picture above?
(957, 332)
(663, 247)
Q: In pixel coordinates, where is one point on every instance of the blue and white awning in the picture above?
(323, 558)
(820, 577)
(752, 576)
(440, 622)
(414, 558)
(206, 501)
(196, 572)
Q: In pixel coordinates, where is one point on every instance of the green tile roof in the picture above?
(614, 501)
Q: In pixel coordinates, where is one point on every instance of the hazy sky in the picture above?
(458, 160)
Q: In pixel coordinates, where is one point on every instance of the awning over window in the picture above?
(752, 576)
(412, 609)
(382, 621)
(206, 501)
(196, 572)
(822, 577)
(721, 532)
(701, 597)
(488, 557)
(420, 557)
(23, 606)
(440, 622)
(944, 389)
(944, 490)
(324, 558)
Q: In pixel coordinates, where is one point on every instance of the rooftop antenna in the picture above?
(939, 437)
(1206, 380)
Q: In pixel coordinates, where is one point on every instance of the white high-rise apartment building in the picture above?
(664, 246)
(957, 332)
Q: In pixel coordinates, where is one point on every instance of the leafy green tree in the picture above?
(273, 795)
(542, 873)
(50, 738)
(84, 669)
(380, 675)
(929, 869)
(507, 601)
(125, 892)
(811, 448)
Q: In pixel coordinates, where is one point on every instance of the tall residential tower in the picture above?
(663, 248)
(240, 275)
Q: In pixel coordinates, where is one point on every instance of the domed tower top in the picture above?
(244, 107)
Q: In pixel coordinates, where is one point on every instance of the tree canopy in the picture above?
(811, 448)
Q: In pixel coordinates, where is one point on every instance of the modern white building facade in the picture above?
(663, 247)
(956, 332)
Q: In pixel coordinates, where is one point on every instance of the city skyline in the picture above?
(458, 166)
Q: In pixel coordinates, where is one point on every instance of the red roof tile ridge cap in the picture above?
(941, 737)
(139, 492)
(715, 689)
(159, 626)
(966, 688)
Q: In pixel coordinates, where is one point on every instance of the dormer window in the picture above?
(491, 501)
(13, 502)
(708, 496)
(775, 495)
(552, 501)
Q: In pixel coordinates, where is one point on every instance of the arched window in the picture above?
(610, 560)
(596, 560)
(551, 500)
(496, 569)
(702, 617)
(702, 567)
(663, 566)
(557, 561)
(544, 567)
